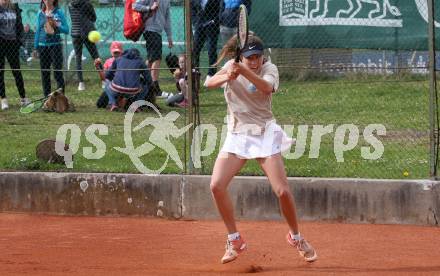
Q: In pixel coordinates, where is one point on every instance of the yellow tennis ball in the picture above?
(94, 36)
(405, 173)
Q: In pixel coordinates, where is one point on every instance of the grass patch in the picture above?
(401, 106)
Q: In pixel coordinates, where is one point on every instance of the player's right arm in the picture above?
(226, 74)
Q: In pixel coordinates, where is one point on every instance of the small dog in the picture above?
(46, 151)
(50, 25)
(58, 102)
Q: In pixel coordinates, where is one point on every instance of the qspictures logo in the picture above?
(162, 130)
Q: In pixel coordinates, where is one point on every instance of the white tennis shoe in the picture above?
(24, 102)
(233, 249)
(304, 248)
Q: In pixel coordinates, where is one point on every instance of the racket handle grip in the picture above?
(237, 54)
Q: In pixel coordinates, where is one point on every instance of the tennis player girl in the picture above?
(252, 134)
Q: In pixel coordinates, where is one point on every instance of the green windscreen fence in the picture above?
(378, 24)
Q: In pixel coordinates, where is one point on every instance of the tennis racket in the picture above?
(33, 106)
(242, 30)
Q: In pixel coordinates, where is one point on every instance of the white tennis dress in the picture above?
(247, 146)
(252, 129)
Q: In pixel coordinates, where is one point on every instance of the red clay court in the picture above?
(42, 245)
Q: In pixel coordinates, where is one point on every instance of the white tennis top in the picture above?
(252, 130)
(247, 106)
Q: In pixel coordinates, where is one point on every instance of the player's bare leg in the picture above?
(226, 167)
(273, 167)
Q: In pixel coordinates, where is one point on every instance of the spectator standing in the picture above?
(205, 15)
(51, 23)
(83, 17)
(229, 17)
(11, 32)
(156, 14)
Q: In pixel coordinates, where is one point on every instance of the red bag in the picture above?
(133, 23)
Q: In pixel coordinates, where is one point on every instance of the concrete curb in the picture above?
(189, 197)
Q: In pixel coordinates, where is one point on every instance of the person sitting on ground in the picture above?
(180, 99)
(181, 76)
(116, 50)
(125, 78)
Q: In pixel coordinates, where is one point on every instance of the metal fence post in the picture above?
(432, 91)
(188, 50)
(66, 50)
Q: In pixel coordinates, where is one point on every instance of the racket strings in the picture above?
(242, 27)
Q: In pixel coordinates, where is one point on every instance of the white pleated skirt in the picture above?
(273, 141)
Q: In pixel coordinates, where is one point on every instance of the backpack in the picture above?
(172, 62)
(133, 22)
(102, 101)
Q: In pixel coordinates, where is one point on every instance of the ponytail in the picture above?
(229, 50)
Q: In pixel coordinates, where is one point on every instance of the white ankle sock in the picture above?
(295, 237)
(233, 236)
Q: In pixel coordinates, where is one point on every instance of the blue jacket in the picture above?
(41, 38)
(229, 11)
(128, 81)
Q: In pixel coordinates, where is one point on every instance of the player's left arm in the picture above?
(265, 84)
